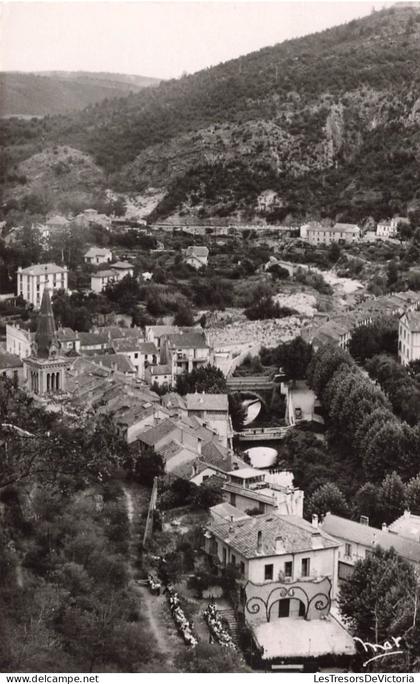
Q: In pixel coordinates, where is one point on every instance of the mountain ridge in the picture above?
(40, 93)
(328, 123)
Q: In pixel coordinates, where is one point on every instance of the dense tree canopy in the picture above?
(379, 600)
(205, 379)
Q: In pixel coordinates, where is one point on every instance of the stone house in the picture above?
(196, 256)
(98, 255)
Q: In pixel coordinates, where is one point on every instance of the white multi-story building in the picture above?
(389, 229)
(266, 546)
(32, 281)
(288, 572)
(317, 234)
(409, 337)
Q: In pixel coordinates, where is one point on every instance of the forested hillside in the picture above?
(66, 603)
(329, 122)
(57, 92)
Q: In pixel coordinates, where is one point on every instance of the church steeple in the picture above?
(46, 335)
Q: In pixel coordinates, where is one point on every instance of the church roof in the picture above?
(46, 333)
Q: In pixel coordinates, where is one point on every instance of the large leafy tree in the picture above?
(371, 597)
(327, 499)
(205, 379)
(392, 497)
(295, 358)
(412, 492)
(323, 366)
(144, 464)
(39, 446)
(367, 503)
(375, 338)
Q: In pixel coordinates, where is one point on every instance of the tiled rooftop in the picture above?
(43, 269)
(97, 251)
(117, 362)
(200, 401)
(192, 340)
(88, 339)
(127, 345)
(296, 535)
(355, 532)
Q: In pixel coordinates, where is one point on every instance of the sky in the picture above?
(159, 39)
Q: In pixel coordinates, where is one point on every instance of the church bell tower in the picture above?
(45, 368)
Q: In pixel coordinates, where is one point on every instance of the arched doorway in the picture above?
(287, 608)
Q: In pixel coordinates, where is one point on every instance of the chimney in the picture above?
(384, 527)
(315, 520)
(317, 541)
(407, 514)
(259, 542)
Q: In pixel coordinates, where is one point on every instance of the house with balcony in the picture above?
(288, 580)
(249, 489)
(185, 351)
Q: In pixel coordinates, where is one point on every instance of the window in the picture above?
(233, 499)
(288, 569)
(224, 556)
(136, 355)
(347, 549)
(242, 567)
(268, 572)
(233, 559)
(306, 565)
